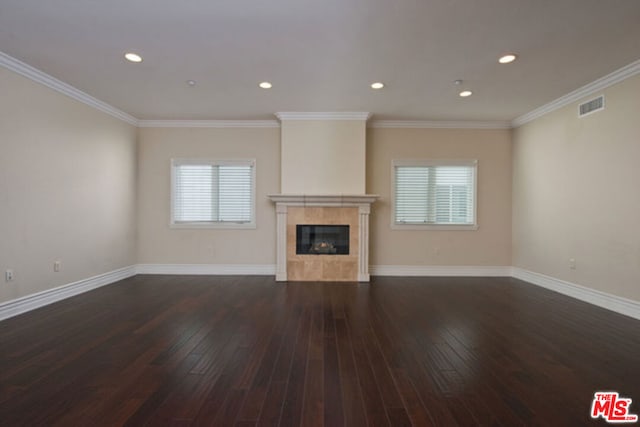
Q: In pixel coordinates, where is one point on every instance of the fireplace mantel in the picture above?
(336, 201)
(324, 199)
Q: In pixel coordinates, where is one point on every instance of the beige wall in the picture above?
(490, 245)
(160, 244)
(323, 156)
(69, 177)
(576, 195)
(67, 188)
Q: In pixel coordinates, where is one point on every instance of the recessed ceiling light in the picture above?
(191, 83)
(377, 85)
(265, 85)
(465, 93)
(133, 57)
(505, 59)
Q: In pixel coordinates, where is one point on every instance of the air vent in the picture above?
(592, 106)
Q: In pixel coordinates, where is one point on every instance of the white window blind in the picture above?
(428, 193)
(213, 192)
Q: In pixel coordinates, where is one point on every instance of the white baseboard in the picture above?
(611, 302)
(418, 270)
(214, 269)
(615, 303)
(40, 299)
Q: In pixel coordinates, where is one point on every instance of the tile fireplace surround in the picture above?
(352, 210)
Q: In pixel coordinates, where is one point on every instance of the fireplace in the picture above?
(322, 184)
(322, 237)
(312, 239)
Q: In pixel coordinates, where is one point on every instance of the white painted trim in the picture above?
(51, 82)
(429, 270)
(323, 116)
(40, 299)
(605, 300)
(611, 302)
(442, 124)
(324, 199)
(586, 90)
(213, 269)
(281, 241)
(45, 79)
(364, 211)
(208, 124)
(388, 124)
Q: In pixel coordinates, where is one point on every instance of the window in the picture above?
(434, 193)
(210, 193)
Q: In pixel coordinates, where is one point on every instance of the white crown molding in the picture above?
(208, 124)
(51, 82)
(428, 270)
(40, 299)
(391, 124)
(45, 79)
(323, 116)
(587, 90)
(611, 302)
(449, 124)
(213, 269)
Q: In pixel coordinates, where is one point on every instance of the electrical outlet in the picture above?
(56, 266)
(8, 275)
(572, 263)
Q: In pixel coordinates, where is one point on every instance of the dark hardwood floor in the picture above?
(245, 351)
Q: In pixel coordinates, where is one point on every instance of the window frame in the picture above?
(175, 162)
(431, 163)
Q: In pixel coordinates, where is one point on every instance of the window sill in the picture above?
(434, 227)
(214, 225)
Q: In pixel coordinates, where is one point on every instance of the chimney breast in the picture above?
(323, 153)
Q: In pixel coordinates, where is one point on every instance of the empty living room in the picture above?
(335, 213)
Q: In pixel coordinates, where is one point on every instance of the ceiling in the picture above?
(323, 55)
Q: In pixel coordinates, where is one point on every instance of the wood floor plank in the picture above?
(294, 397)
(313, 399)
(354, 414)
(371, 395)
(246, 351)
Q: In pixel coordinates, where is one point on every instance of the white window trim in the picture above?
(434, 162)
(214, 162)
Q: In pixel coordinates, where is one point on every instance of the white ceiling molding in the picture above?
(208, 124)
(324, 116)
(390, 124)
(45, 79)
(446, 124)
(50, 35)
(586, 90)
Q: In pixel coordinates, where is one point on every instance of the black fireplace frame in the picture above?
(322, 239)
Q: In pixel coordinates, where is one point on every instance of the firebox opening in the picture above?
(312, 239)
